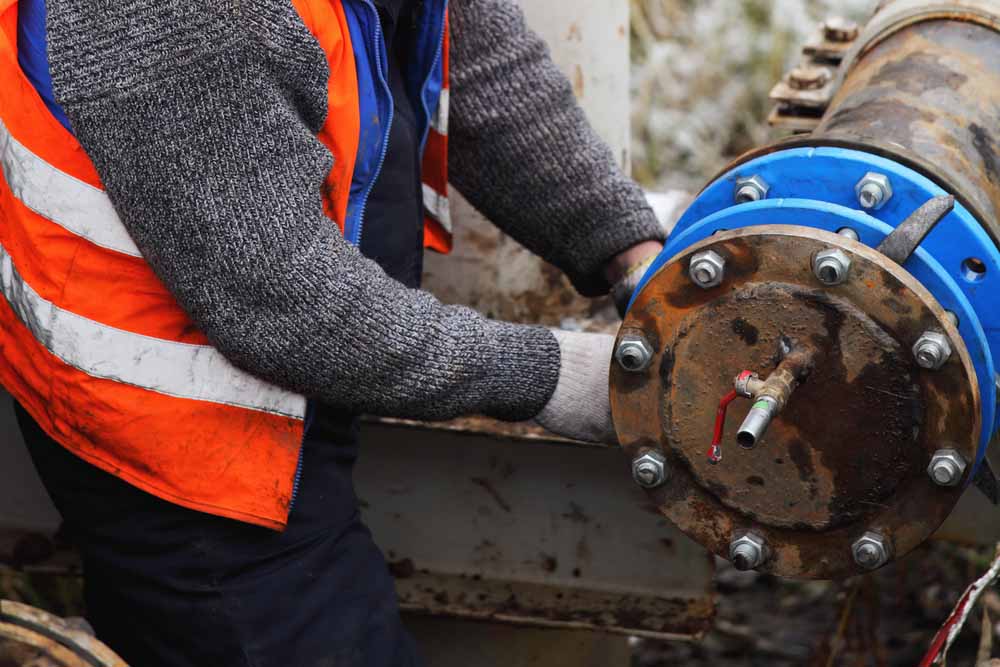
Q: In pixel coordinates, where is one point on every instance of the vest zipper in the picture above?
(379, 46)
(307, 423)
(423, 89)
(356, 236)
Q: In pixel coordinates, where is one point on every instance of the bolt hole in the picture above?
(631, 361)
(742, 563)
(973, 269)
(828, 275)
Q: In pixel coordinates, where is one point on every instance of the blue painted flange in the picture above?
(814, 187)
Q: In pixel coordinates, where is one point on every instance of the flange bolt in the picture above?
(873, 191)
(750, 188)
(841, 30)
(634, 353)
(932, 350)
(831, 266)
(871, 551)
(747, 552)
(649, 470)
(947, 467)
(707, 269)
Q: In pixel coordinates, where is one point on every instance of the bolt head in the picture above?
(747, 552)
(707, 269)
(634, 353)
(947, 467)
(751, 188)
(874, 190)
(839, 29)
(932, 350)
(871, 551)
(831, 266)
(649, 470)
(809, 77)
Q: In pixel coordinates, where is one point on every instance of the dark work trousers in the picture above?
(170, 587)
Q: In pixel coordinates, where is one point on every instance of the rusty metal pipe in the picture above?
(928, 96)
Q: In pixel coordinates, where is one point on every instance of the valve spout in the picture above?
(771, 395)
(757, 420)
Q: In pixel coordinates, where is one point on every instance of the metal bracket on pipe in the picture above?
(900, 244)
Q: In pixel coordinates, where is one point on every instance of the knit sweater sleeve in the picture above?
(201, 119)
(522, 151)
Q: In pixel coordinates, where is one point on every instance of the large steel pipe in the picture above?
(872, 243)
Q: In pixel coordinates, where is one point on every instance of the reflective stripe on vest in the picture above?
(97, 350)
(437, 223)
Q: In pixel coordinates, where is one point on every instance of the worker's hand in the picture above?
(580, 407)
(626, 270)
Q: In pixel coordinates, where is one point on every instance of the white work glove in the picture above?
(580, 407)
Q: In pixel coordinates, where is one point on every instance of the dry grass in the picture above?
(701, 73)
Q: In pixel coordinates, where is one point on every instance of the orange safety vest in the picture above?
(95, 347)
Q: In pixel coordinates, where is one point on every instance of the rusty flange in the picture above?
(849, 452)
(30, 636)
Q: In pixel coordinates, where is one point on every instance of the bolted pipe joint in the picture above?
(831, 266)
(947, 467)
(650, 470)
(932, 350)
(634, 353)
(748, 552)
(874, 190)
(871, 551)
(750, 188)
(707, 269)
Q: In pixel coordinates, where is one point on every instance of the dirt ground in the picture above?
(881, 620)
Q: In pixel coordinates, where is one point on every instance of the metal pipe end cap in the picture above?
(707, 269)
(932, 350)
(748, 552)
(871, 551)
(650, 470)
(947, 467)
(634, 353)
(831, 266)
(873, 190)
(750, 189)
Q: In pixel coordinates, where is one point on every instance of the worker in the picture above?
(212, 221)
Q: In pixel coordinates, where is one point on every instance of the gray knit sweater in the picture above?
(201, 118)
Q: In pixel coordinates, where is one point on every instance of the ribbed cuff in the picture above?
(525, 371)
(591, 255)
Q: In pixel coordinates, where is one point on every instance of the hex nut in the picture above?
(932, 350)
(809, 77)
(750, 188)
(831, 266)
(747, 552)
(650, 470)
(947, 467)
(873, 191)
(634, 353)
(707, 269)
(871, 551)
(840, 30)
